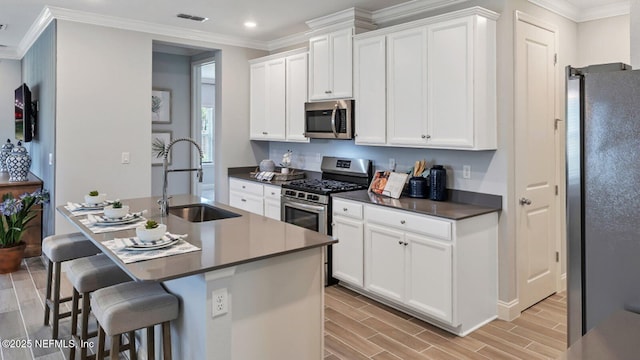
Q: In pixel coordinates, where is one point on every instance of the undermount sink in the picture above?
(201, 212)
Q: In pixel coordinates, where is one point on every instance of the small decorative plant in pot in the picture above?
(151, 231)
(116, 210)
(16, 215)
(94, 197)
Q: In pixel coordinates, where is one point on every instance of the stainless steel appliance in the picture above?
(603, 182)
(307, 202)
(329, 119)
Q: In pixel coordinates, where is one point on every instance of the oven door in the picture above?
(306, 214)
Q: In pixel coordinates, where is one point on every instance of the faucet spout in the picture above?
(164, 202)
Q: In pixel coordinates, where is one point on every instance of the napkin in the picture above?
(103, 219)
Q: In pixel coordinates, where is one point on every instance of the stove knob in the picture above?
(301, 195)
(316, 197)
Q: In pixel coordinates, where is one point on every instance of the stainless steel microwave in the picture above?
(329, 119)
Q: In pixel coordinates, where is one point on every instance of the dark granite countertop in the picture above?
(223, 243)
(444, 209)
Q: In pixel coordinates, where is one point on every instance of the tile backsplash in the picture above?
(486, 167)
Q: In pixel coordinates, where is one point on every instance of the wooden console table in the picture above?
(33, 235)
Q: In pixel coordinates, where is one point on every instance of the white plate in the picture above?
(84, 206)
(111, 222)
(152, 247)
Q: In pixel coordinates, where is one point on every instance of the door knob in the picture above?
(524, 201)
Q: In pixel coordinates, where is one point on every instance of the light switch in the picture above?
(50, 158)
(125, 158)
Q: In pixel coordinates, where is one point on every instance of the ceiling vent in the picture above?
(192, 17)
(3, 26)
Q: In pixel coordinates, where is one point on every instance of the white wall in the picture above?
(604, 41)
(103, 109)
(10, 79)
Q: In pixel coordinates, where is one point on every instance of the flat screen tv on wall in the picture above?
(24, 115)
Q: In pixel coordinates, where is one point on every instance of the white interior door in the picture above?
(535, 160)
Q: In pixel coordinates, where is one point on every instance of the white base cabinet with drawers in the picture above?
(261, 199)
(439, 270)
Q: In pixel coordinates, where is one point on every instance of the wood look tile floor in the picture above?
(355, 327)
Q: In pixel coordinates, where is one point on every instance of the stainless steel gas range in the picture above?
(307, 202)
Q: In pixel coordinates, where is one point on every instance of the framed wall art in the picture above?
(159, 142)
(160, 106)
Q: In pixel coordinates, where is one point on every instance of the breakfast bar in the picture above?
(243, 261)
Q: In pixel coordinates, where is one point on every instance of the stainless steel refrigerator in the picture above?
(603, 194)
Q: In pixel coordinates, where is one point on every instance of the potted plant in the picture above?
(15, 216)
(95, 198)
(151, 231)
(116, 210)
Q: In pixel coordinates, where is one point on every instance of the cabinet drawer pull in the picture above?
(345, 209)
(264, 133)
(273, 193)
(243, 200)
(406, 243)
(402, 222)
(244, 187)
(327, 92)
(399, 242)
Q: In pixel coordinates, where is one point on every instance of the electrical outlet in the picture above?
(466, 171)
(219, 300)
(392, 164)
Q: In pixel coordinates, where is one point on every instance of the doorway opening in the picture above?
(204, 110)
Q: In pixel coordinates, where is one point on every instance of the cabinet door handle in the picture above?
(327, 92)
(244, 187)
(426, 136)
(400, 242)
(406, 243)
(243, 200)
(272, 193)
(402, 222)
(345, 209)
(264, 133)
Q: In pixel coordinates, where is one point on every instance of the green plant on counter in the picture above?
(150, 224)
(94, 193)
(117, 205)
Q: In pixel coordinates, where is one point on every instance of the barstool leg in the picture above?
(132, 346)
(84, 337)
(47, 309)
(74, 321)
(166, 340)
(115, 347)
(101, 339)
(56, 299)
(151, 343)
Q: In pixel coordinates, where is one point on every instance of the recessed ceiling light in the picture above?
(192, 17)
(250, 24)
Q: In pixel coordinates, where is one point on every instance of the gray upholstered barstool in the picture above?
(57, 249)
(89, 274)
(125, 308)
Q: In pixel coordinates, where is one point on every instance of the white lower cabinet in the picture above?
(348, 252)
(272, 202)
(438, 270)
(255, 197)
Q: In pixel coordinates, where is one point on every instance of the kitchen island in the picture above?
(271, 271)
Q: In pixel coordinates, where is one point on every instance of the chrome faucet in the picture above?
(164, 202)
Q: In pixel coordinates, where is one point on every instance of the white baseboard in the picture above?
(508, 311)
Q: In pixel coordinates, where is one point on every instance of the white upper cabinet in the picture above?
(370, 90)
(278, 92)
(267, 102)
(296, 90)
(407, 88)
(440, 83)
(331, 65)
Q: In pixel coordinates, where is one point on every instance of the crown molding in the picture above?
(287, 41)
(360, 17)
(574, 13)
(35, 30)
(410, 8)
(9, 54)
(279, 55)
